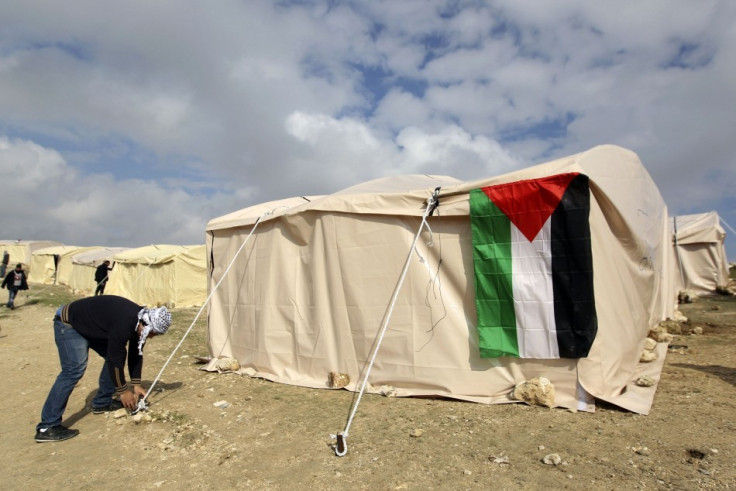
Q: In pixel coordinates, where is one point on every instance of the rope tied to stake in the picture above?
(142, 404)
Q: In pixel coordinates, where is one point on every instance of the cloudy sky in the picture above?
(132, 123)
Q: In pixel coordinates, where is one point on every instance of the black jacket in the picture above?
(10, 279)
(110, 322)
(101, 272)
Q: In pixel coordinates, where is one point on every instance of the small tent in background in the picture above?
(700, 254)
(20, 251)
(84, 264)
(172, 275)
(307, 294)
(53, 265)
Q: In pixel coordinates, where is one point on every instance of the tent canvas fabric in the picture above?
(84, 264)
(53, 265)
(307, 294)
(162, 274)
(20, 251)
(701, 264)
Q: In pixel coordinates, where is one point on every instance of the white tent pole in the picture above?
(142, 403)
(341, 448)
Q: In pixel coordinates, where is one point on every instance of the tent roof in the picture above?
(97, 256)
(60, 250)
(407, 195)
(249, 216)
(153, 254)
(698, 228)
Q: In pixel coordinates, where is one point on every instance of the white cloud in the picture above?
(268, 99)
(453, 152)
(52, 201)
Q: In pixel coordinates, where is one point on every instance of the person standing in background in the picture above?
(14, 282)
(101, 275)
(4, 266)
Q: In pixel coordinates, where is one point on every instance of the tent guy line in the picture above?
(142, 404)
(341, 447)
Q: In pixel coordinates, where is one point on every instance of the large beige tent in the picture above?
(173, 275)
(20, 251)
(53, 265)
(84, 264)
(700, 253)
(308, 287)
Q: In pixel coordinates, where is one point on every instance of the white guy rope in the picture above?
(142, 273)
(142, 403)
(343, 435)
(727, 225)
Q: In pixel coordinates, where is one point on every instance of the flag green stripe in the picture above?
(491, 235)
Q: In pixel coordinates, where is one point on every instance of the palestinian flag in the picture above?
(534, 268)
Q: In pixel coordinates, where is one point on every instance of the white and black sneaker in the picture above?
(55, 434)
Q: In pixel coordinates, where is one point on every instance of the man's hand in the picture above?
(129, 400)
(139, 391)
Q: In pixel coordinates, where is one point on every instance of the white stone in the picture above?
(416, 432)
(648, 356)
(645, 381)
(552, 459)
(337, 380)
(538, 391)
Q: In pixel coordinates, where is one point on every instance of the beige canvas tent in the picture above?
(700, 254)
(20, 251)
(307, 289)
(53, 265)
(84, 264)
(172, 275)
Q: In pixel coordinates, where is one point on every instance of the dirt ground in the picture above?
(273, 436)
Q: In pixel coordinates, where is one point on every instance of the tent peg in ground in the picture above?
(341, 446)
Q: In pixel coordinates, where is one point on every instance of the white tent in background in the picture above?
(53, 265)
(309, 290)
(172, 275)
(701, 262)
(20, 251)
(84, 264)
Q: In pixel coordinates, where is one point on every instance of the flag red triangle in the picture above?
(528, 204)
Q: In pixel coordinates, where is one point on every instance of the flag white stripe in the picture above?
(533, 293)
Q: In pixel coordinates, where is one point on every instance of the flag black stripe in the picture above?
(572, 271)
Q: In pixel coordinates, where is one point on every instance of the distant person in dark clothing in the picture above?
(15, 281)
(116, 329)
(101, 276)
(4, 265)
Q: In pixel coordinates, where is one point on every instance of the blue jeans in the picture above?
(12, 292)
(73, 353)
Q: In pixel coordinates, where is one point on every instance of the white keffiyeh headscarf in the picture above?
(157, 320)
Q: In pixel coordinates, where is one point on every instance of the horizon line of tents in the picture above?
(176, 275)
(159, 274)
